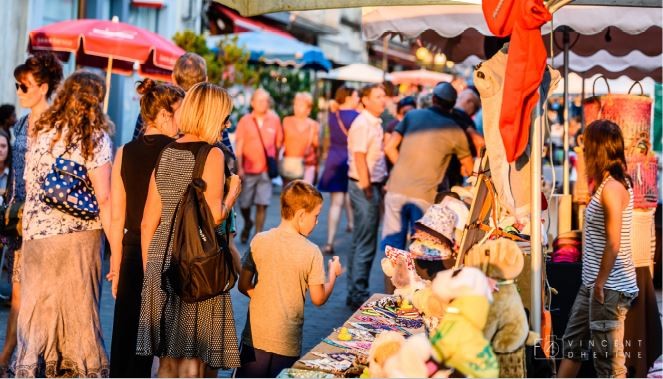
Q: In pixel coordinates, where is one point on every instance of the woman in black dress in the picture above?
(132, 169)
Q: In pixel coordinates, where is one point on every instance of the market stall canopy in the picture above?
(94, 42)
(420, 77)
(271, 48)
(357, 72)
(255, 7)
(620, 85)
(598, 32)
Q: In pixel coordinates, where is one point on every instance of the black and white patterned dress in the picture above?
(168, 326)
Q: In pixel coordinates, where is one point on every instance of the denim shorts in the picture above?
(596, 331)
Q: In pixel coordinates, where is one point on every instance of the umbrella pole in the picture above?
(535, 221)
(109, 70)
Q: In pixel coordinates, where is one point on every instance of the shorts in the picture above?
(256, 190)
(596, 331)
(258, 363)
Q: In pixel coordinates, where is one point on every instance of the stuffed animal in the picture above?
(430, 306)
(399, 267)
(458, 340)
(507, 327)
(393, 356)
(385, 345)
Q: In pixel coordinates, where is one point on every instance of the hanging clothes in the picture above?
(522, 20)
(512, 180)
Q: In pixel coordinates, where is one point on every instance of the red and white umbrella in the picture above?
(111, 45)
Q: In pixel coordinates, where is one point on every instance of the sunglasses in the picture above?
(24, 88)
(226, 122)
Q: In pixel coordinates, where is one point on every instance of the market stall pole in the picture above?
(536, 246)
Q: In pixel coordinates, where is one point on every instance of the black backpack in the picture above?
(201, 262)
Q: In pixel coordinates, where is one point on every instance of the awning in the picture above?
(245, 24)
(604, 39)
(357, 72)
(272, 48)
(420, 77)
(256, 7)
(158, 4)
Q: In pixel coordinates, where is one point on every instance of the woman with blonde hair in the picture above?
(59, 331)
(187, 336)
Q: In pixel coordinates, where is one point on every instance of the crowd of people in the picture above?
(384, 174)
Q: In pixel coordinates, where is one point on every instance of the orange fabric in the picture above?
(522, 19)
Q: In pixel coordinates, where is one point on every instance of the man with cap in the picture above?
(420, 148)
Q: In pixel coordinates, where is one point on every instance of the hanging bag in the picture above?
(68, 189)
(631, 112)
(201, 262)
(272, 164)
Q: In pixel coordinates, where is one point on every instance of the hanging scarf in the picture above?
(522, 19)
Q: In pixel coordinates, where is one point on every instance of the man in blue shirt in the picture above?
(420, 148)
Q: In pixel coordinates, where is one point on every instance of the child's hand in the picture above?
(335, 266)
(234, 188)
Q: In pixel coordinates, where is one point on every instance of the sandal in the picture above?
(328, 249)
(349, 229)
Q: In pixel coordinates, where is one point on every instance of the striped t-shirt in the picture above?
(622, 277)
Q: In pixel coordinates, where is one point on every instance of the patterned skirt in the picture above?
(59, 331)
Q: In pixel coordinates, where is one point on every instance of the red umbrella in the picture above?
(111, 45)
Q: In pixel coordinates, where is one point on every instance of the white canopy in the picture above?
(420, 77)
(451, 21)
(606, 39)
(620, 85)
(357, 72)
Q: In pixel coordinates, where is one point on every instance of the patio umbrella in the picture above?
(357, 72)
(272, 48)
(420, 77)
(111, 45)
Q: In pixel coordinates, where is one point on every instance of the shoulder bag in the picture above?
(272, 164)
(68, 189)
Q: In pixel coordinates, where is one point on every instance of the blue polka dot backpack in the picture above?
(68, 189)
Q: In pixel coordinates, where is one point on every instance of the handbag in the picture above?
(272, 164)
(293, 168)
(68, 189)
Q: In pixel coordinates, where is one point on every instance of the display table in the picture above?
(326, 348)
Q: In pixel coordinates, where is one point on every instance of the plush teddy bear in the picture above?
(507, 327)
(393, 356)
(458, 340)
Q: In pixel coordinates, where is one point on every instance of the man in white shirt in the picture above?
(367, 173)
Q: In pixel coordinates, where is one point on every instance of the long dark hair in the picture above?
(604, 152)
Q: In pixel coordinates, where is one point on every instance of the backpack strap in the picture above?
(201, 158)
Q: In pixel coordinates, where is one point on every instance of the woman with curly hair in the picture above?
(59, 332)
(36, 80)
